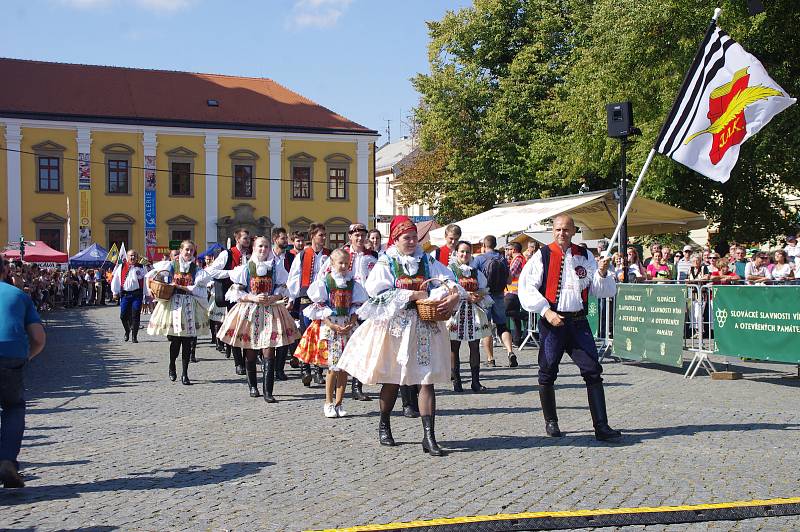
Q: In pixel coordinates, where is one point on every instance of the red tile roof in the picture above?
(159, 97)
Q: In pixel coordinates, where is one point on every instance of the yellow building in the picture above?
(145, 156)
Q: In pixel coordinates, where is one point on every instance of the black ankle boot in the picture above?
(127, 328)
(429, 444)
(357, 392)
(185, 367)
(547, 396)
(476, 385)
(280, 363)
(238, 360)
(455, 376)
(228, 350)
(252, 378)
(305, 375)
(385, 430)
(318, 377)
(409, 406)
(597, 406)
(269, 379)
(173, 373)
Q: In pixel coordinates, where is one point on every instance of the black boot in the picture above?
(408, 395)
(318, 377)
(185, 363)
(429, 444)
(228, 350)
(252, 378)
(280, 363)
(134, 329)
(597, 406)
(357, 391)
(455, 373)
(305, 375)
(269, 379)
(385, 430)
(127, 327)
(194, 348)
(174, 352)
(238, 360)
(547, 396)
(476, 385)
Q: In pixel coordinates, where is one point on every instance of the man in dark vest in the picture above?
(128, 283)
(556, 283)
(279, 241)
(305, 267)
(220, 270)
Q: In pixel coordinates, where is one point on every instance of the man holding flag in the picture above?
(127, 282)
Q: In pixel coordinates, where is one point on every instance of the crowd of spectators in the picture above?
(704, 265)
(50, 287)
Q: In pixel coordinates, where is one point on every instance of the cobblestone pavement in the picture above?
(112, 443)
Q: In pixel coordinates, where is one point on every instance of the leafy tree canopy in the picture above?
(514, 106)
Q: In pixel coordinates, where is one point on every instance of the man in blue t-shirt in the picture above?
(21, 338)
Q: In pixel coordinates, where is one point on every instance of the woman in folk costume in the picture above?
(394, 346)
(469, 323)
(184, 316)
(335, 296)
(259, 321)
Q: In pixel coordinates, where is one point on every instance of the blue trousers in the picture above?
(130, 304)
(12, 403)
(575, 338)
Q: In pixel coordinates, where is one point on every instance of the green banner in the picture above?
(593, 315)
(759, 322)
(648, 323)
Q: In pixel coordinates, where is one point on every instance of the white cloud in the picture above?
(159, 6)
(317, 13)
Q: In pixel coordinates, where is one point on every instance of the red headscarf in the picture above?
(400, 225)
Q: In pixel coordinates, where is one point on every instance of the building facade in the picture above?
(145, 157)
(389, 162)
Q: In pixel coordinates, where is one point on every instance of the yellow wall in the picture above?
(319, 208)
(225, 201)
(36, 204)
(169, 206)
(3, 189)
(104, 204)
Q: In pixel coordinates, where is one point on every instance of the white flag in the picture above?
(726, 98)
(123, 255)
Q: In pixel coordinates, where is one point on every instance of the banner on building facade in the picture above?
(84, 201)
(150, 239)
(649, 322)
(760, 322)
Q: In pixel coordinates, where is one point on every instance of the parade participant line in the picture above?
(560, 520)
(254, 178)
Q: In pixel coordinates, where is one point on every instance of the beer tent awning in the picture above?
(595, 214)
(36, 251)
(92, 257)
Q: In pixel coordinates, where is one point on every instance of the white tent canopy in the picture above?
(595, 214)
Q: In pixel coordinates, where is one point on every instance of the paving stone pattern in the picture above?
(111, 443)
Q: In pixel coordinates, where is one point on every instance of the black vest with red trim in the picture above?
(552, 262)
(123, 275)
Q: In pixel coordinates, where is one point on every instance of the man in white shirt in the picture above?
(220, 270)
(127, 282)
(556, 283)
(756, 272)
(792, 250)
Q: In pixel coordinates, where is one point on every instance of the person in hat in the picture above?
(792, 249)
(394, 346)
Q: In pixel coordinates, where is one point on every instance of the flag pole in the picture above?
(632, 195)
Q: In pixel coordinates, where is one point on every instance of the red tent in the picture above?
(36, 251)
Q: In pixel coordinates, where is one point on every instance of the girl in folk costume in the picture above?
(184, 316)
(469, 323)
(335, 296)
(259, 321)
(394, 346)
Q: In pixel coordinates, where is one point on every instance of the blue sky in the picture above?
(353, 56)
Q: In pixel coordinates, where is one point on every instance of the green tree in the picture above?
(517, 94)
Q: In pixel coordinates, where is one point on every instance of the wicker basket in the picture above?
(428, 308)
(159, 288)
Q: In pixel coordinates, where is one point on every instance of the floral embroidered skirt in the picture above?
(400, 350)
(469, 323)
(321, 346)
(253, 326)
(183, 315)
